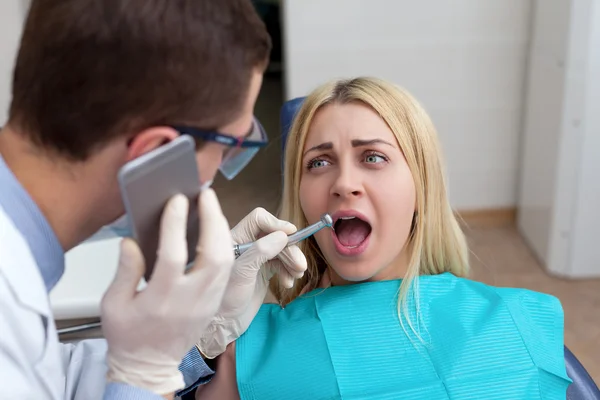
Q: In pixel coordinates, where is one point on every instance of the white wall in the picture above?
(465, 60)
(12, 14)
(560, 187)
(545, 100)
(585, 255)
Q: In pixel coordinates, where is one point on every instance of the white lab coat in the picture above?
(33, 363)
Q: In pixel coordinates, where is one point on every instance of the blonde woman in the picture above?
(384, 310)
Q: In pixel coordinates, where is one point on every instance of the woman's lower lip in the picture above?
(349, 251)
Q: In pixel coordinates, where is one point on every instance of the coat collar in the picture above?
(31, 223)
(19, 268)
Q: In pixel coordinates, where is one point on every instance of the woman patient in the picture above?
(384, 310)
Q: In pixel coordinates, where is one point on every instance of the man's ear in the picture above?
(148, 140)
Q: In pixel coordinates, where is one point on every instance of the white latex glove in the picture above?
(150, 331)
(249, 281)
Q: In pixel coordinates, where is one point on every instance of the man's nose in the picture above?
(348, 183)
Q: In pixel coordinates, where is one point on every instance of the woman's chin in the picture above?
(346, 272)
(351, 273)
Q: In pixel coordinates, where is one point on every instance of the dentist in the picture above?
(96, 84)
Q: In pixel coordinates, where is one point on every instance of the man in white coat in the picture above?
(98, 83)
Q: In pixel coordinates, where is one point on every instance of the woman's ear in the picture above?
(148, 140)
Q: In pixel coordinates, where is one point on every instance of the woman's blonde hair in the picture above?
(436, 242)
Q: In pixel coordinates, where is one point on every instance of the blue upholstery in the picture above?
(583, 387)
(288, 111)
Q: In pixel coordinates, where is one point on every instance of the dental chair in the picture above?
(583, 386)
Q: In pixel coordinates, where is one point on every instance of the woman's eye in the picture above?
(317, 163)
(375, 158)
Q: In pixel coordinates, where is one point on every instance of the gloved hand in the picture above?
(150, 331)
(249, 281)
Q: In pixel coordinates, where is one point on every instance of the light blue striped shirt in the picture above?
(49, 256)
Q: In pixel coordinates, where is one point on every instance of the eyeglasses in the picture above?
(240, 150)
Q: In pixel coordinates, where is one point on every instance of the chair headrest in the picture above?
(583, 386)
(288, 112)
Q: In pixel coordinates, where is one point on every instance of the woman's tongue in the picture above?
(353, 232)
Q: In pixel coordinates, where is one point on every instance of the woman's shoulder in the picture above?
(536, 319)
(525, 306)
(525, 298)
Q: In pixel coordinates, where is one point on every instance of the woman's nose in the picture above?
(348, 182)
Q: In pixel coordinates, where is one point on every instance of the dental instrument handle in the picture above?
(310, 230)
(325, 221)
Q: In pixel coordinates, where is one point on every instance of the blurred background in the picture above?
(513, 87)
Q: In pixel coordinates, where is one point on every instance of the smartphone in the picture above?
(148, 182)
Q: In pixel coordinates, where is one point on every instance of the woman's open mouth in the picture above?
(351, 233)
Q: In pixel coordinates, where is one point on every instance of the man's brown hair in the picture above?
(88, 71)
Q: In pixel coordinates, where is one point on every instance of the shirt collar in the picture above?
(33, 226)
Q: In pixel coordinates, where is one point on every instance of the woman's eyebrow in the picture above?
(355, 143)
(361, 143)
(322, 146)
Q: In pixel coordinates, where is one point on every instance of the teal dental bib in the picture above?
(346, 342)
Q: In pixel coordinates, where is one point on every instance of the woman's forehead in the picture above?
(347, 122)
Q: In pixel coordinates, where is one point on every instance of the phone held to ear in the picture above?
(148, 182)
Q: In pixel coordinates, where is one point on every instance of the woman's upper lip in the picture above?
(348, 213)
